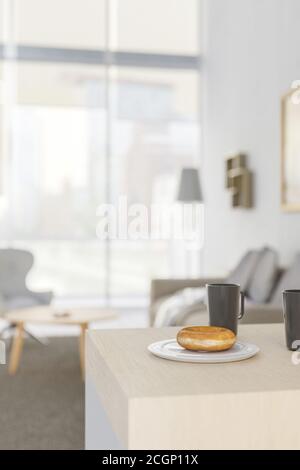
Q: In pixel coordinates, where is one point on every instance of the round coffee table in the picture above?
(50, 315)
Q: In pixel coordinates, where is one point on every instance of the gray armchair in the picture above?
(15, 265)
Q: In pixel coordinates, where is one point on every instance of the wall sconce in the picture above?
(239, 181)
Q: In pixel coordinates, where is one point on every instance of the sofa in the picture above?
(260, 277)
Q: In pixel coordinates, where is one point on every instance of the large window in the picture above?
(99, 99)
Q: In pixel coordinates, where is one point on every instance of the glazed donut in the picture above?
(206, 338)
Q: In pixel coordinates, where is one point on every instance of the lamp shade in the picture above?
(189, 186)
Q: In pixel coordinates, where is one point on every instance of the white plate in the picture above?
(170, 349)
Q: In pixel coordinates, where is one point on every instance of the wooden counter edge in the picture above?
(110, 393)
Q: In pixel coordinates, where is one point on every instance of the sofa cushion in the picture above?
(263, 276)
(289, 280)
(243, 272)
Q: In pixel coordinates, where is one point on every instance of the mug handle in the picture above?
(242, 305)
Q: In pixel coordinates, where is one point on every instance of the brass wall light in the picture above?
(239, 181)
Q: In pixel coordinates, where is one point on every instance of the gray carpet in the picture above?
(42, 406)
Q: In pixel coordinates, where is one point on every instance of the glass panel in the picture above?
(2, 20)
(168, 26)
(56, 175)
(60, 84)
(61, 23)
(154, 134)
(70, 268)
(5, 96)
(54, 140)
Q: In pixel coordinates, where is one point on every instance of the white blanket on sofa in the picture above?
(180, 303)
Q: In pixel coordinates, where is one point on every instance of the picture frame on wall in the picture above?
(290, 152)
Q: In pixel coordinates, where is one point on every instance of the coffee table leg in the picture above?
(16, 351)
(83, 328)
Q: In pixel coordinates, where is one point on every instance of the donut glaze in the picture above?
(206, 338)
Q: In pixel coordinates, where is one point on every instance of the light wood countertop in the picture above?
(192, 403)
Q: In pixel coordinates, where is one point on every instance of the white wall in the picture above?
(251, 56)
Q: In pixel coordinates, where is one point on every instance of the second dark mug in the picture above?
(291, 313)
(224, 305)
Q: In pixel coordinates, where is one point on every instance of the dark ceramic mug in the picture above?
(291, 314)
(224, 305)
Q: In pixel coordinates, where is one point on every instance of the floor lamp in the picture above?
(189, 193)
